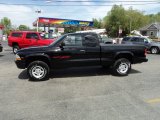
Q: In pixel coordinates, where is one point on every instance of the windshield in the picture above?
(57, 40)
(148, 40)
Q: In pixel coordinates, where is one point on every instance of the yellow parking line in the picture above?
(156, 100)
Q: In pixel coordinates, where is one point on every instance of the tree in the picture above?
(7, 25)
(23, 27)
(127, 20)
(137, 18)
(115, 20)
(71, 29)
(97, 23)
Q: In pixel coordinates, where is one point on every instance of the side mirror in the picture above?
(61, 45)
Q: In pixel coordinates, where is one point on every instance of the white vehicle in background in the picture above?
(98, 31)
(102, 33)
(137, 33)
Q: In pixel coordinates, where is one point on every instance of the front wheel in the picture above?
(15, 48)
(121, 67)
(154, 50)
(38, 70)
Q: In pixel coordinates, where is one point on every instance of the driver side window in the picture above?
(73, 40)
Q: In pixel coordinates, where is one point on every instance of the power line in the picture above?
(42, 12)
(50, 5)
(95, 1)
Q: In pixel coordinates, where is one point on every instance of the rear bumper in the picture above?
(140, 60)
(20, 64)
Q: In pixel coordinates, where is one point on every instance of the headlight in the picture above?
(17, 57)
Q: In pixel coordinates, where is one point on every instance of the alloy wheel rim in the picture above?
(15, 50)
(38, 71)
(154, 50)
(123, 68)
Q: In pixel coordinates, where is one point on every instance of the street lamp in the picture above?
(38, 12)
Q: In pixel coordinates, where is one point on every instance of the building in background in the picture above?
(60, 23)
(152, 30)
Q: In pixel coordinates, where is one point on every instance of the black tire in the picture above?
(15, 48)
(38, 70)
(121, 67)
(154, 50)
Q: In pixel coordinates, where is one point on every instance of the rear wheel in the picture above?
(15, 48)
(121, 67)
(38, 70)
(154, 50)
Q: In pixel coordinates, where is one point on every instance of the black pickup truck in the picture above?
(77, 50)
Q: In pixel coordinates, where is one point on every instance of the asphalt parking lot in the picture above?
(89, 93)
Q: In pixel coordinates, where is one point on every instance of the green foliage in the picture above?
(154, 17)
(127, 20)
(7, 25)
(35, 29)
(23, 27)
(71, 29)
(97, 23)
(115, 20)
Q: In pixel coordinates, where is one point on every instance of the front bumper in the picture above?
(140, 60)
(20, 64)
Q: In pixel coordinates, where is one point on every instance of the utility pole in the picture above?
(38, 12)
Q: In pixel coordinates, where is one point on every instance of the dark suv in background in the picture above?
(153, 47)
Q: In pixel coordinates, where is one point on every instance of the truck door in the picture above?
(31, 39)
(42, 41)
(92, 52)
(72, 52)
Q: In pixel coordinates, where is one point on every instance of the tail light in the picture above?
(145, 52)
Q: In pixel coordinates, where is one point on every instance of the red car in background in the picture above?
(23, 39)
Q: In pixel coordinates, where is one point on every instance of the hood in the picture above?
(35, 49)
(155, 43)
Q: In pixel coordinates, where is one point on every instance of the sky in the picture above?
(21, 13)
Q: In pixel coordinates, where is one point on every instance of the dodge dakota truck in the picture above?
(78, 50)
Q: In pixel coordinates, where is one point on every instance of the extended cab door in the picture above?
(92, 52)
(31, 39)
(72, 52)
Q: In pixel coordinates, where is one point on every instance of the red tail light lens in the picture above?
(145, 52)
